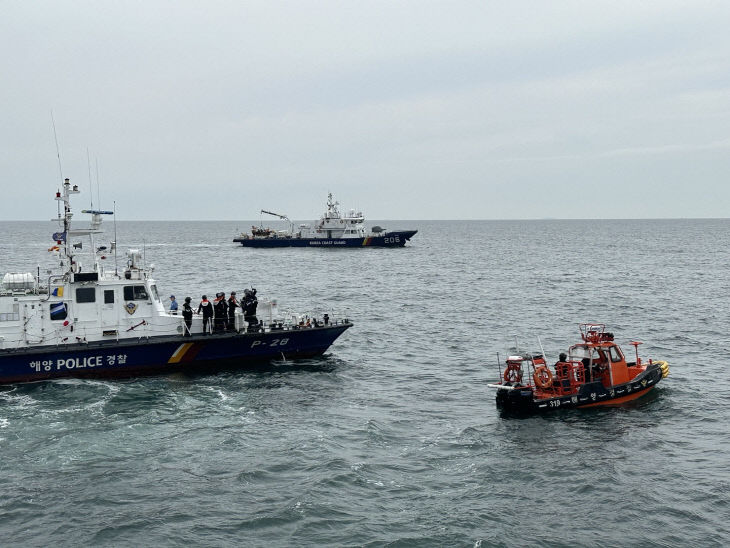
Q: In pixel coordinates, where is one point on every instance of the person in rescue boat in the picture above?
(173, 305)
(232, 305)
(220, 313)
(586, 369)
(187, 312)
(207, 309)
(561, 369)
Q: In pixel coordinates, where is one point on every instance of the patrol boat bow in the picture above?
(594, 373)
(98, 322)
(332, 230)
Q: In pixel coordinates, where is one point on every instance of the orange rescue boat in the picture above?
(593, 373)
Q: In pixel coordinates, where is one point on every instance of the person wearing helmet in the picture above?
(249, 304)
(207, 309)
(187, 312)
(220, 312)
(232, 305)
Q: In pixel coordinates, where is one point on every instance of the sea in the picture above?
(392, 438)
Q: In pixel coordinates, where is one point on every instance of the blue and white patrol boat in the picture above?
(89, 320)
(332, 230)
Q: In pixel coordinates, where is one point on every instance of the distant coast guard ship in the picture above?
(331, 230)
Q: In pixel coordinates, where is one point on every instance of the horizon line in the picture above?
(405, 220)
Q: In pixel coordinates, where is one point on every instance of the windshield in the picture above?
(578, 352)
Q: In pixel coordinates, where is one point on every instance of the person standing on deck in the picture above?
(207, 309)
(232, 305)
(220, 311)
(249, 304)
(187, 312)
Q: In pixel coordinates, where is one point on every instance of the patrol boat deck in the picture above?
(103, 322)
(332, 230)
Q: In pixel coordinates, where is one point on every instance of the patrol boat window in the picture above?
(135, 293)
(13, 316)
(108, 296)
(86, 295)
(155, 295)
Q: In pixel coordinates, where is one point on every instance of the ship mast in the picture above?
(65, 222)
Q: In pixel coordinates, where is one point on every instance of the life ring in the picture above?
(512, 373)
(543, 377)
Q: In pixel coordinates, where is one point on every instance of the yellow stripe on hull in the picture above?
(179, 353)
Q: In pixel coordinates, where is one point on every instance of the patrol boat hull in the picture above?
(164, 354)
(391, 239)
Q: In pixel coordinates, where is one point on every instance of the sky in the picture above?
(179, 110)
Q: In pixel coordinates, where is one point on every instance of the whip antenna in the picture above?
(98, 192)
(58, 152)
(116, 270)
(91, 188)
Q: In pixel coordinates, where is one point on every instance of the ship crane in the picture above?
(275, 214)
(283, 217)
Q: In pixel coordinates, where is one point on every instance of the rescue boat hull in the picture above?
(165, 354)
(524, 400)
(391, 239)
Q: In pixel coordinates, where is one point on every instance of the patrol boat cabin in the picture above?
(84, 302)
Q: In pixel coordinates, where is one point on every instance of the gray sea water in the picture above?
(392, 438)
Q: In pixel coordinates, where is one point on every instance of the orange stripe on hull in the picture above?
(186, 352)
(618, 401)
(191, 352)
(179, 353)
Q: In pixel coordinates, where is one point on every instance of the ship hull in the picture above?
(391, 239)
(593, 394)
(168, 354)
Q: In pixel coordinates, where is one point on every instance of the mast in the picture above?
(64, 237)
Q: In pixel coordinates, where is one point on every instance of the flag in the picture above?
(58, 311)
(57, 292)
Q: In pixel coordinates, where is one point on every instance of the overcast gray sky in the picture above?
(405, 110)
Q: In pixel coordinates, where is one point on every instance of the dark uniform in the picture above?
(187, 313)
(220, 312)
(249, 304)
(207, 309)
(232, 305)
